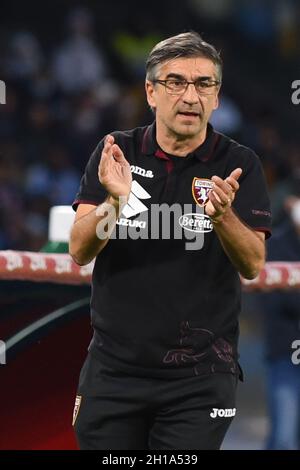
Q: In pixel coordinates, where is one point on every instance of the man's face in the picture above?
(183, 115)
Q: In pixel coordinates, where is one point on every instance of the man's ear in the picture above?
(150, 91)
(216, 104)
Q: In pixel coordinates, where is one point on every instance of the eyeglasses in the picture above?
(178, 87)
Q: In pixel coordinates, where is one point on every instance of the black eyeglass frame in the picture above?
(209, 85)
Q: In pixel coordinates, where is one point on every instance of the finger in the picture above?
(215, 203)
(105, 158)
(108, 144)
(224, 198)
(107, 149)
(233, 183)
(106, 154)
(117, 153)
(236, 173)
(109, 139)
(226, 187)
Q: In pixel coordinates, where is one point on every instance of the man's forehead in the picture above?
(196, 66)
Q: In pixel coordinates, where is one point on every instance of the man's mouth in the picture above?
(188, 113)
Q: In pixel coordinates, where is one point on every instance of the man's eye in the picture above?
(176, 83)
(204, 84)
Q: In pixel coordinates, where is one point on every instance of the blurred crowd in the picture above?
(65, 92)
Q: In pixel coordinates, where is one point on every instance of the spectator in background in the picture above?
(12, 205)
(56, 179)
(79, 63)
(287, 14)
(282, 327)
(255, 20)
(24, 58)
(227, 118)
(216, 11)
(132, 49)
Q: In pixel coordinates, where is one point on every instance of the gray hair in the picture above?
(188, 44)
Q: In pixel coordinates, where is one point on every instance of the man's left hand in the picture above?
(222, 195)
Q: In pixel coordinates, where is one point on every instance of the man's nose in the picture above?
(190, 95)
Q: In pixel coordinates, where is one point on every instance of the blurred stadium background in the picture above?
(73, 72)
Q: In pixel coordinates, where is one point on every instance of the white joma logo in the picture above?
(141, 171)
(223, 412)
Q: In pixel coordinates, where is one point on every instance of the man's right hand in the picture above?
(114, 170)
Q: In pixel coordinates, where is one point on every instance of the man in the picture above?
(162, 367)
(282, 329)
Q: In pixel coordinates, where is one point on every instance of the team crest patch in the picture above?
(76, 408)
(200, 190)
